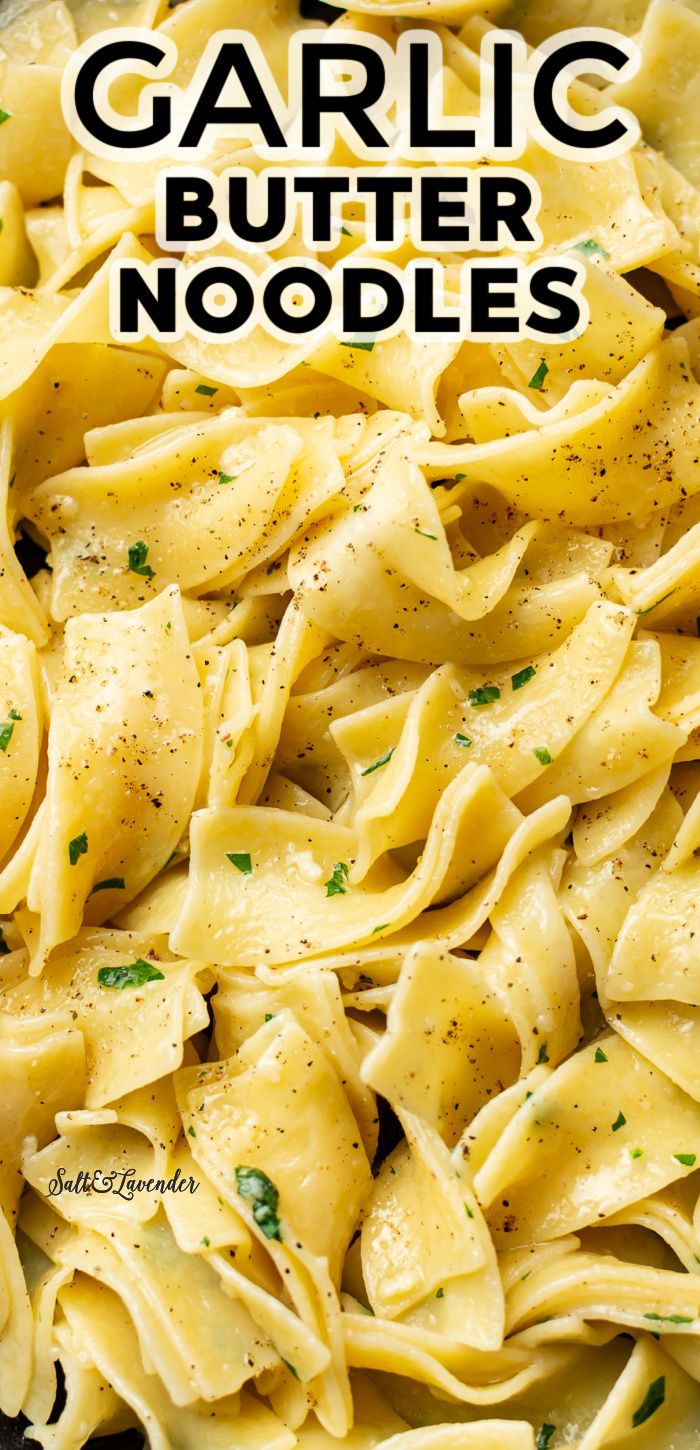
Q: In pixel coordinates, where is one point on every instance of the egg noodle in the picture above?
(350, 808)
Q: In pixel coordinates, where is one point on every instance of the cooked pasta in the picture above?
(350, 810)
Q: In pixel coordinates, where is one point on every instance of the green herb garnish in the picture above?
(255, 1185)
(77, 847)
(113, 883)
(363, 346)
(228, 477)
(425, 535)
(687, 1159)
(641, 612)
(652, 1401)
(7, 729)
(599, 1055)
(241, 860)
(523, 677)
(542, 1055)
(383, 760)
(619, 1122)
(484, 695)
(138, 554)
(462, 740)
(136, 974)
(670, 1318)
(538, 377)
(4, 116)
(543, 755)
(206, 390)
(544, 1436)
(591, 248)
(336, 885)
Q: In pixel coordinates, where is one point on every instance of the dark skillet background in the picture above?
(12, 1435)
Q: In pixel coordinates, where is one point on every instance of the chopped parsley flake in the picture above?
(112, 883)
(345, 232)
(459, 477)
(227, 477)
(336, 885)
(619, 1122)
(641, 612)
(285, 1362)
(252, 1183)
(538, 377)
(192, 1131)
(7, 729)
(523, 677)
(206, 390)
(687, 1159)
(241, 860)
(543, 755)
(206, 1242)
(542, 1055)
(670, 1318)
(462, 740)
(636, 1152)
(382, 927)
(363, 346)
(425, 535)
(599, 1055)
(383, 760)
(77, 847)
(4, 116)
(484, 695)
(591, 248)
(652, 1401)
(544, 1436)
(469, 1212)
(134, 975)
(440, 1294)
(138, 554)
(269, 1016)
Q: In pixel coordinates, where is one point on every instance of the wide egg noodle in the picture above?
(145, 686)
